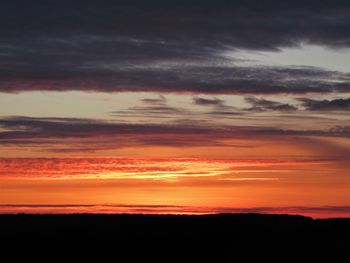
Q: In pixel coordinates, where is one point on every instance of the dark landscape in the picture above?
(217, 238)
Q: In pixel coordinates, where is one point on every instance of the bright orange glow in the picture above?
(171, 185)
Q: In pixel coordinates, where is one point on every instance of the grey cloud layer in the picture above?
(93, 135)
(208, 102)
(326, 105)
(268, 105)
(165, 46)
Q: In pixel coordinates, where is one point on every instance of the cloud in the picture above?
(204, 79)
(152, 108)
(314, 211)
(156, 111)
(30, 127)
(268, 105)
(161, 100)
(207, 102)
(165, 47)
(218, 171)
(71, 134)
(218, 107)
(207, 78)
(326, 105)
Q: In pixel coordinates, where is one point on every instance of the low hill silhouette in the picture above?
(217, 238)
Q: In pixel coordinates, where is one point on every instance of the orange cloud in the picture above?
(141, 168)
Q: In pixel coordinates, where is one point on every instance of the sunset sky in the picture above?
(175, 107)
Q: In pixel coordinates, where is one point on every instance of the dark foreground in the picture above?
(215, 238)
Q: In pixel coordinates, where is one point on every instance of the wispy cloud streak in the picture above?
(141, 168)
(316, 212)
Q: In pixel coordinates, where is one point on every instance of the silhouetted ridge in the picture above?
(219, 238)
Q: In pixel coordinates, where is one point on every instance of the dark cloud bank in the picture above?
(259, 105)
(326, 105)
(94, 135)
(165, 46)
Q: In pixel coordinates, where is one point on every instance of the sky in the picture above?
(181, 107)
